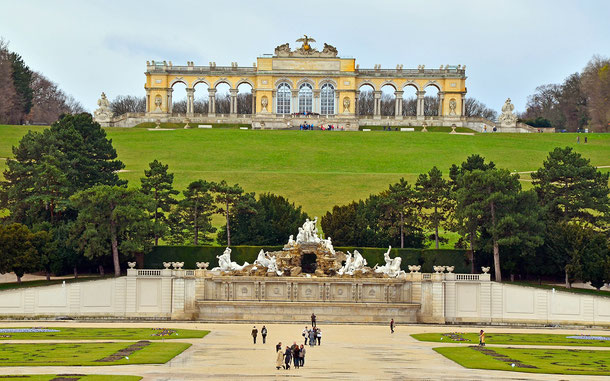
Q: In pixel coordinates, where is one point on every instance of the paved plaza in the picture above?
(348, 352)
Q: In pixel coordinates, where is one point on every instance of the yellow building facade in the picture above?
(318, 84)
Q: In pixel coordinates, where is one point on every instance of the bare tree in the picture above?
(431, 105)
(179, 107)
(366, 103)
(409, 106)
(8, 95)
(123, 104)
(244, 103)
(387, 104)
(596, 86)
(223, 104)
(474, 108)
(200, 106)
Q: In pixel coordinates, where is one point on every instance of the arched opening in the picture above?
(409, 101)
(309, 263)
(178, 99)
(223, 98)
(431, 100)
(327, 99)
(244, 98)
(201, 98)
(305, 98)
(366, 100)
(283, 98)
(388, 100)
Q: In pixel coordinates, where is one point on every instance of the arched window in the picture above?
(283, 98)
(327, 100)
(305, 98)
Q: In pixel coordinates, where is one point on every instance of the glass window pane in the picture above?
(283, 98)
(327, 100)
(305, 98)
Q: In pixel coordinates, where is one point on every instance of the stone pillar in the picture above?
(190, 99)
(253, 108)
(441, 100)
(233, 108)
(316, 105)
(463, 105)
(273, 105)
(212, 102)
(147, 100)
(377, 109)
(337, 103)
(170, 103)
(294, 102)
(398, 104)
(356, 103)
(420, 104)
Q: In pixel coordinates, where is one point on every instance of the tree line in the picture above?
(581, 101)
(559, 228)
(28, 96)
(66, 207)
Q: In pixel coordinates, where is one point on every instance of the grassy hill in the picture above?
(319, 169)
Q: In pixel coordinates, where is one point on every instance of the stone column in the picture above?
(294, 102)
(253, 109)
(147, 100)
(356, 102)
(316, 105)
(441, 100)
(420, 104)
(170, 104)
(463, 105)
(377, 108)
(212, 102)
(190, 99)
(337, 103)
(233, 108)
(273, 105)
(398, 104)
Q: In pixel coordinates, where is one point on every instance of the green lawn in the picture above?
(319, 169)
(564, 289)
(80, 354)
(558, 361)
(66, 333)
(44, 282)
(79, 377)
(512, 339)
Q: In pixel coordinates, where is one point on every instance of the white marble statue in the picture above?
(353, 263)
(391, 267)
(508, 119)
(309, 232)
(328, 243)
(103, 113)
(265, 260)
(291, 241)
(272, 268)
(225, 264)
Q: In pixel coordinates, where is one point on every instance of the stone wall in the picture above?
(200, 294)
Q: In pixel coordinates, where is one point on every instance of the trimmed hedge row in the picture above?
(240, 254)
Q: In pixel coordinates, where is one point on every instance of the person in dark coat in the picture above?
(392, 325)
(313, 320)
(254, 334)
(278, 346)
(264, 334)
(296, 354)
(287, 357)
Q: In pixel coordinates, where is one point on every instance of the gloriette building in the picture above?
(306, 82)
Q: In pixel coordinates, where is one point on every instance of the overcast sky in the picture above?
(508, 46)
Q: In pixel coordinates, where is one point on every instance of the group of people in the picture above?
(293, 354)
(312, 335)
(328, 127)
(263, 334)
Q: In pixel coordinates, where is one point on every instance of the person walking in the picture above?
(264, 334)
(319, 335)
(313, 320)
(585, 140)
(305, 335)
(279, 359)
(278, 346)
(392, 325)
(254, 334)
(296, 353)
(287, 357)
(312, 337)
(302, 355)
(482, 338)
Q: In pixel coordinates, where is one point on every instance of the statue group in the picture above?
(507, 118)
(308, 240)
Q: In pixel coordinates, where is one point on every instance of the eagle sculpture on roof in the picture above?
(306, 40)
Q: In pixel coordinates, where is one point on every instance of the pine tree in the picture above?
(158, 185)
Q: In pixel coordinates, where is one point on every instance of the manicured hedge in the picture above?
(191, 254)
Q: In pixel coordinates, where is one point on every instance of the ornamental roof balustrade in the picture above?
(201, 69)
(443, 73)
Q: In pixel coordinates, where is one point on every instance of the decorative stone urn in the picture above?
(177, 265)
(202, 265)
(450, 269)
(167, 264)
(424, 125)
(485, 269)
(131, 265)
(439, 269)
(414, 268)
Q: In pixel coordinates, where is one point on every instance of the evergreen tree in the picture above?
(158, 185)
(241, 215)
(22, 81)
(434, 200)
(503, 211)
(399, 205)
(226, 198)
(191, 220)
(17, 252)
(111, 219)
